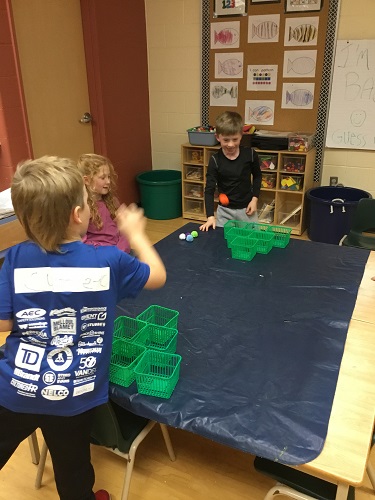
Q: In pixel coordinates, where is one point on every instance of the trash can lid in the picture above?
(165, 177)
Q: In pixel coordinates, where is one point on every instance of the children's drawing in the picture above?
(262, 77)
(263, 29)
(229, 65)
(223, 94)
(298, 95)
(299, 63)
(301, 31)
(259, 112)
(225, 35)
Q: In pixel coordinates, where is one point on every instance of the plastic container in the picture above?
(265, 241)
(157, 373)
(300, 141)
(291, 182)
(294, 163)
(158, 315)
(268, 180)
(161, 196)
(281, 235)
(158, 338)
(127, 328)
(267, 161)
(259, 226)
(124, 358)
(234, 232)
(244, 248)
(331, 210)
(233, 223)
(202, 137)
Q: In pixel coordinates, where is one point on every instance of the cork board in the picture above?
(290, 68)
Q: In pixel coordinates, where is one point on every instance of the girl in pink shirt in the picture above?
(100, 178)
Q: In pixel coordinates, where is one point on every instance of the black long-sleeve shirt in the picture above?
(239, 179)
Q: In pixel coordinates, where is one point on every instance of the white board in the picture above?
(351, 119)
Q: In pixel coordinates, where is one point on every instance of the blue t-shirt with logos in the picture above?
(56, 359)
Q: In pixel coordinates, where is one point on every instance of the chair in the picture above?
(363, 224)
(301, 486)
(121, 432)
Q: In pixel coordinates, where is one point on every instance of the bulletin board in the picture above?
(270, 64)
(351, 118)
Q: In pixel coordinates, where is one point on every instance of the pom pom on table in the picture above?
(188, 236)
(224, 200)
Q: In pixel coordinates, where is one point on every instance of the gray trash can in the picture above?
(330, 211)
(161, 196)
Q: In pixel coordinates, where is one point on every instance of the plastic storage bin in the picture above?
(331, 210)
(127, 328)
(124, 358)
(300, 141)
(267, 161)
(268, 180)
(264, 241)
(158, 338)
(202, 137)
(235, 232)
(233, 223)
(161, 193)
(291, 182)
(157, 373)
(244, 248)
(158, 315)
(294, 163)
(281, 235)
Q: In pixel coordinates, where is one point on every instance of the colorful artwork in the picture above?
(225, 35)
(259, 112)
(298, 95)
(229, 65)
(263, 29)
(301, 31)
(261, 77)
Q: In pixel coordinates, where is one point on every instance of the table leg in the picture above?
(342, 491)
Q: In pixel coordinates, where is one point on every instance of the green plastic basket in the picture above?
(259, 226)
(127, 328)
(124, 358)
(158, 338)
(158, 315)
(234, 223)
(282, 235)
(244, 248)
(264, 241)
(157, 373)
(234, 232)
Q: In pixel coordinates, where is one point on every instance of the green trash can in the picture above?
(161, 193)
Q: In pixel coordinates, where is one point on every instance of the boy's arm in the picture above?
(132, 224)
(209, 192)
(6, 325)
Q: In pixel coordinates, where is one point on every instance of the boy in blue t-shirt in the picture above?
(58, 299)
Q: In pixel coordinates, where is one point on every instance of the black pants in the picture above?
(68, 440)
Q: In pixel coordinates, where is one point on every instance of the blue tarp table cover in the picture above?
(261, 342)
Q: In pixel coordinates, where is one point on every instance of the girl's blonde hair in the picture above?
(44, 193)
(89, 165)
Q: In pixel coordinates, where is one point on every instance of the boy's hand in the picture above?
(252, 206)
(211, 221)
(131, 221)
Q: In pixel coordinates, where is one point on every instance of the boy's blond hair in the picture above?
(89, 165)
(44, 193)
(229, 123)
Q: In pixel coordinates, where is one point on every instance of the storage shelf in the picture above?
(288, 202)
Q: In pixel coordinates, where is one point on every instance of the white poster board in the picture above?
(351, 119)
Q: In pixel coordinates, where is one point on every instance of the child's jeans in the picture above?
(224, 214)
(68, 440)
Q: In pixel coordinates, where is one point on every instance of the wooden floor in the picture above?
(203, 470)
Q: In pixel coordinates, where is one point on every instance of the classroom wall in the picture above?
(174, 58)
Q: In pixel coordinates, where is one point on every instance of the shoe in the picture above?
(102, 495)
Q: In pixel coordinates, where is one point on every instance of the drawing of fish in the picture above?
(219, 90)
(301, 65)
(299, 97)
(266, 30)
(230, 67)
(227, 36)
(303, 33)
(261, 113)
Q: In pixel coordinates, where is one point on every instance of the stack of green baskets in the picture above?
(245, 239)
(151, 361)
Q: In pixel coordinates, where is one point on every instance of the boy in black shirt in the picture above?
(236, 172)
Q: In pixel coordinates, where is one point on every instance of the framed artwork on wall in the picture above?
(264, 1)
(303, 5)
(228, 8)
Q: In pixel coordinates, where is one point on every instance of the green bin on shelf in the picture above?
(161, 193)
